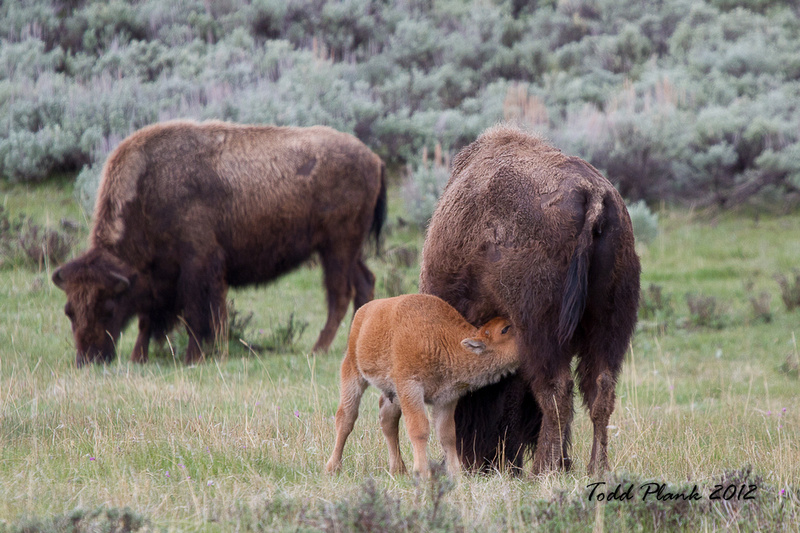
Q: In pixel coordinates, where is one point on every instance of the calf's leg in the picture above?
(352, 387)
(412, 403)
(444, 420)
(390, 424)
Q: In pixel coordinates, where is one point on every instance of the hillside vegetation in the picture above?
(675, 99)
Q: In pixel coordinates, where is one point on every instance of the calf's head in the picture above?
(495, 337)
(98, 304)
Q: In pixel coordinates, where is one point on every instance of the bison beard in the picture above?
(187, 209)
(526, 232)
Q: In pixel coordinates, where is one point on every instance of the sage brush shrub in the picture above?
(22, 241)
(656, 306)
(421, 191)
(683, 100)
(705, 312)
(645, 222)
(790, 289)
(110, 519)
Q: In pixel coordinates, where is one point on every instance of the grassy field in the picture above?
(708, 396)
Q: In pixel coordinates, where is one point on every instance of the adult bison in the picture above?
(526, 232)
(186, 209)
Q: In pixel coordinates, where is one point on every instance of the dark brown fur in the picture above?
(527, 232)
(186, 209)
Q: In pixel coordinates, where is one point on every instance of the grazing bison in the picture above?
(417, 349)
(527, 232)
(186, 209)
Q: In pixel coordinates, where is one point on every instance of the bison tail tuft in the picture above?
(574, 298)
(576, 285)
(380, 213)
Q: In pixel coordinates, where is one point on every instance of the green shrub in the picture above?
(22, 241)
(790, 289)
(421, 191)
(705, 312)
(645, 222)
(82, 521)
(677, 101)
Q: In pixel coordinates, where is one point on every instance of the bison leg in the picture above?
(202, 289)
(390, 424)
(339, 291)
(444, 419)
(598, 369)
(142, 346)
(364, 282)
(600, 409)
(351, 388)
(555, 399)
(412, 402)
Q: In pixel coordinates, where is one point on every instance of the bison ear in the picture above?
(474, 346)
(121, 283)
(59, 280)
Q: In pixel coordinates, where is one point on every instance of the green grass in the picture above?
(240, 441)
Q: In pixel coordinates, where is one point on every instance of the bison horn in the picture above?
(122, 283)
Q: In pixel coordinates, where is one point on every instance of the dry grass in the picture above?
(240, 441)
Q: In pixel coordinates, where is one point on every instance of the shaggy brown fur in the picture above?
(186, 209)
(527, 232)
(417, 349)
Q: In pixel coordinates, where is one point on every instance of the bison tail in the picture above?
(379, 215)
(576, 286)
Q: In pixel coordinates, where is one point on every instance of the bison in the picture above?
(417, 349)
(187, 209)
(524, 231)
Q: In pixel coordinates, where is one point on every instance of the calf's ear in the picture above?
(474, 345)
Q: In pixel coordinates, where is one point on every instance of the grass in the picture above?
(239, 442)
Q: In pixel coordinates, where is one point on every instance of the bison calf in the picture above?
(186, 209)
(417, 349)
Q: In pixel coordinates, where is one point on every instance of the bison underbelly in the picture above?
(263, 265)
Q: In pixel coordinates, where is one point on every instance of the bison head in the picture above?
(98, 291)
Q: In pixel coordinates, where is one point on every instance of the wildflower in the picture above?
(167, 473)
(297, 413)
(91, 458)
(210, 483)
